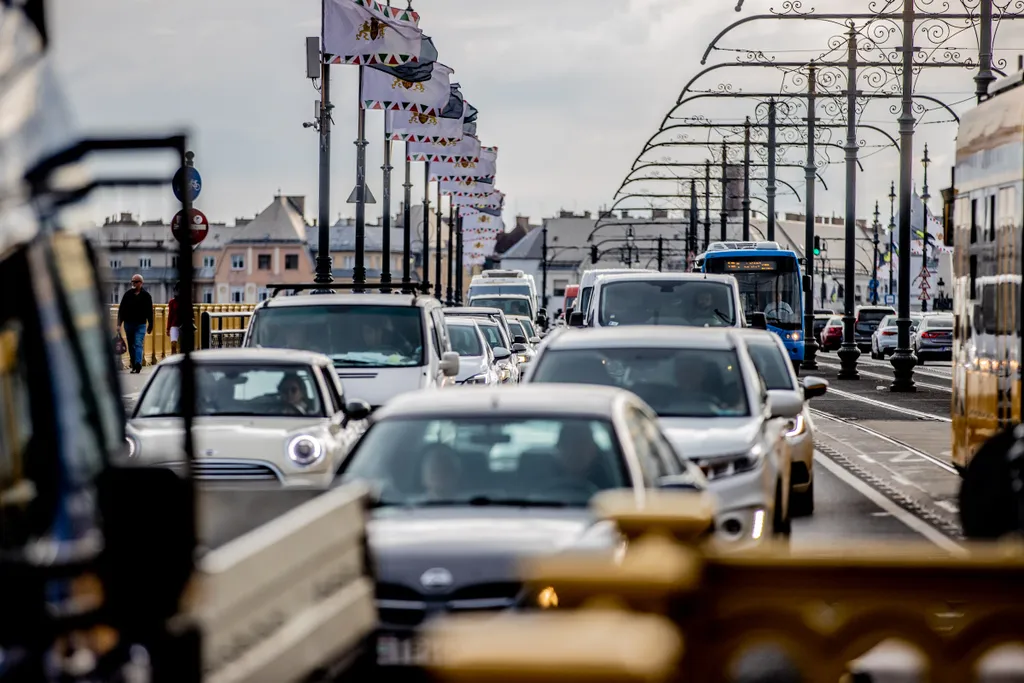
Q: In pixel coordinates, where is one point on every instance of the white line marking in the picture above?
(879, 435)
(936, 387)
(889, 406)
(948, 506)
(913, 523)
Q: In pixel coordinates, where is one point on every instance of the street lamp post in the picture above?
(874, 266)
(725, 191)
(892, 235)
(848, 352)
(810, 169)
(925, 196)
(707, 204)
(544, 266)
(746, 180)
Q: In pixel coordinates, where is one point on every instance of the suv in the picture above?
(866, 322)
(381, 345)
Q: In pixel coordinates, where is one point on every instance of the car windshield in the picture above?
(520, 461)
(835, 322)
(695, 303)
(235, 390)
(569, 301)
(352, 335)
(772, 364)
(492, 333)
(465, 340)
(492, 289)
(714, 385)
(528, 328)
(938, 323)
(510, 306)
(767, 284)
(517, 329)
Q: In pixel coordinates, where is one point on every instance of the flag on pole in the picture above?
(478, 187)
(369, 32)
(416, 127)
(466, 148)
(470, 114)
(383, 91)
(493, 200)
(471, 210)
(482, 224)
(485, 167)
(456, 105)
(414, 72)
(468, 128)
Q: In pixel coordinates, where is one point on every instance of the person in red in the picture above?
(173, 327)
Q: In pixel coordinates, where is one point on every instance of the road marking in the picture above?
(948, 506)
(884, 437)
(889, 406)
(936, 387)
(913, 523)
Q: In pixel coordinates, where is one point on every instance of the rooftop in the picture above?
(644, 336)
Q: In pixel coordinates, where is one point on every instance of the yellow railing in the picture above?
(158, 344)
(674, 607)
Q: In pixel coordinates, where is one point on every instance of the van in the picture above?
(381, 345)
(494, 282)
(590, 277)
(652, 298)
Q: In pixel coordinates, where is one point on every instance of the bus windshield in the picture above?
(767, 284)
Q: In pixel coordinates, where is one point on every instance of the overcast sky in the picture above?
(568, 90)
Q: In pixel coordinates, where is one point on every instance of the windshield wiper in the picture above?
(353, 362)
(723, 318)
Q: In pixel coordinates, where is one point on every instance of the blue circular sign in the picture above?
(193, 181)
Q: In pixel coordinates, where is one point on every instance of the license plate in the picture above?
(944, 348)
(394, 651)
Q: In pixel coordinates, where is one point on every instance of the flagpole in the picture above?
(458, 258)
(437, 251)
(359, 271)
(426, 228)
(451, 260)
(407, 227)
(385, 207)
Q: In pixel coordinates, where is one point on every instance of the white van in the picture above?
(498, 282)
(590, 278)
(381, 345)
(686, 299)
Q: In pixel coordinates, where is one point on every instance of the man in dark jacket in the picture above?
(136, 314)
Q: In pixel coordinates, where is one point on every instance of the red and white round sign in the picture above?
(197, 227)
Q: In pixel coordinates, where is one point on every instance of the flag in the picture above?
(482, 224)
(370, 32)
(472, 210)
(468, 128)
(414, 72)
(466, 148)
(456, 105)
(485, 167)
(415, 127)
(493, 200)
(383, 91)
(477, 187)
(470, 113)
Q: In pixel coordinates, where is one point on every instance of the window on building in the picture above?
(237, 262)
(209, 262)
(262, 294)
(115, 263)
(115, 296)
(237, 295)
(174, 262)
(263, 261)
(207, 295)
(291, 261)
(145, 263)
(349, 262)
(560, 286)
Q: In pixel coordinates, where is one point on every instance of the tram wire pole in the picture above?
(810, 169)
(848, 352)
(438, 282)
(925, 196)
(874, 266)
(323, 250)
(425, 285)
(771, 188)
(707, 204)
(725, 192)
(359, 271)
(407, 287)
(385, 215)
(892, 235)
(746, 180)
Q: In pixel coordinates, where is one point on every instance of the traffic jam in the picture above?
(484, 431)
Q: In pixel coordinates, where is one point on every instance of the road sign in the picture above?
(193, 181)
(890, 299)
(197, 226)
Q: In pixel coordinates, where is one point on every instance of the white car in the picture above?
(477, 362)
(263, 416)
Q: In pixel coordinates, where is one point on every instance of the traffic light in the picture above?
(594, 256)
(817, 245)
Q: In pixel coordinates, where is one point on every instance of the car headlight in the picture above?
(793, 336)
(545, 598)
(726, 466)
(799, 426)
(305, 450)
(523, 358)
(133, 446)
(505, 373)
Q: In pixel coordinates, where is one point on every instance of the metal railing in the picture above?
(214, 335)
(157, 345)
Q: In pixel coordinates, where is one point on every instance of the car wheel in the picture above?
(781, 526)
(801, 504)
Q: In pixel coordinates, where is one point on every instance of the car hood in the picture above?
(476, 545)
(470, 366)
(377, 386)
(160, 438)
(702, 437)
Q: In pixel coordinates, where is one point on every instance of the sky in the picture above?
(569, 91)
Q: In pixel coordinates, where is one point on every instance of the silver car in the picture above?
(477, 364)
(711, 404)
(883, 339)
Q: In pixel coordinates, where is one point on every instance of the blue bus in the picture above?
(769, 282)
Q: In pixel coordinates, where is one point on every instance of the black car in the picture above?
(468, 482)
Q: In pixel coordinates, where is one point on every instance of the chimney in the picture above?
(523, 222)
(586, 214)
(565, 214)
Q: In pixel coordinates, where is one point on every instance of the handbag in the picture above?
(120, 347)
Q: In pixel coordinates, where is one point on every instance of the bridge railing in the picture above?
(676, 607)
(158, 345)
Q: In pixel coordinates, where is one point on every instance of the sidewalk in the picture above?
(131, 384)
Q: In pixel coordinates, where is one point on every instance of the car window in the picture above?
(938, 322)
(442, 330)
(715, 386)
(547, 461)
(528, 326)
(510, 306)
(235, 390)
(492, 333)
(772, 364)
(465, 340)
(666, 302)
(516, 329)
(835, 322)
(333, 387)
(351, 335)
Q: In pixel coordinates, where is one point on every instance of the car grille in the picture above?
(400, 606)
(209, 469)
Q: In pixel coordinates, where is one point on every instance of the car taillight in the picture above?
(929, 335)
(888, 333)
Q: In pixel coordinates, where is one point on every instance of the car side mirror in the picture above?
(519, 348)
(759, 321)
(450, 363)
(576, 319)
(501, 353)
(356, 409)
(519, 339)
(785, 404)
(814, 387)
(535, 340)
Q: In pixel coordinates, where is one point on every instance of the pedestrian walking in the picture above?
(135, 313)
(173, 326)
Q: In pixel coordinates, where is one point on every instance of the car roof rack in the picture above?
(380, 287)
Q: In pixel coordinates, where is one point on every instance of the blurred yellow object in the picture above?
(158, 345)
(547, 598)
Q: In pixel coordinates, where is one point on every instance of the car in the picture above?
(866, 320)
(504, 282)
(506, 352)
(832, 334)
(589, 279)
(711, 404)
(933, 338)
(885, 336)
(529, 330)
(381, 344)
(683, 299)
(269, 417)
(520, 336)
(468, 484)
(477, 362)
(820, 321)
(510, 304)
(491, 313)
(772, 363)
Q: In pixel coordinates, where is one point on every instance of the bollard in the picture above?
(205, 330)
